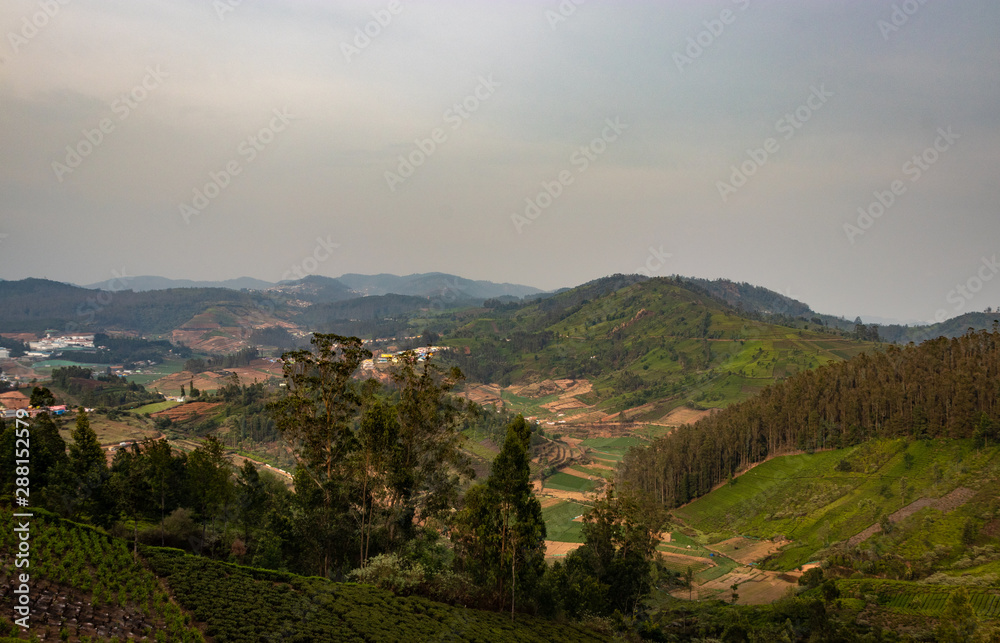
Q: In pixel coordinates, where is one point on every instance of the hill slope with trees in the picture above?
(943, 388)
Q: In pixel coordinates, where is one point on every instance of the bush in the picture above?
(390, 572)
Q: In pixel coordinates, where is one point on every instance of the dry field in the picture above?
(191, 410)
(559, 550)
(744, 550)
(484, 394)
(683, 415)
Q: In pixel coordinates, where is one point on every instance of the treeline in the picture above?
(16, 348)
(40, 304)
(748, 297)
(273, 336)
(496, 359)
(242, 357)
(943, 388)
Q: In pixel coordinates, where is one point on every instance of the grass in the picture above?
(607, 474)
(566, 482)
(156, 407)
(722, 567)
(153, 373)
(559, 525)
(807, 499)
(479, 448)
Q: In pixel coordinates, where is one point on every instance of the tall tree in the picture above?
(500, 533)
(210, 482)
(618, 551)
(428, 463)
(129, 485)
(316, 417)
(377, 449)
(163, 476)
(90, 466)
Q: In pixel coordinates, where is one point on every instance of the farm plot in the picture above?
(191, 410)
(156, 407)
(567, 482)
(561, 524)
(917, 599)
(745, 550)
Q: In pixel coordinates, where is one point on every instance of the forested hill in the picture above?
(752, 298)
(639, 342)
(943, 388)
(40, 304)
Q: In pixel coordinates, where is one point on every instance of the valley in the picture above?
(628, 386)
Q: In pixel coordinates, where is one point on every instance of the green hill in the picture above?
(832, 501)
(943, 388)
(640, 341)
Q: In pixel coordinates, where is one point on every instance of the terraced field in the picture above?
(919, 599)
(821, 499)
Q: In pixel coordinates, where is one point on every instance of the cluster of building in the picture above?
(49, 345)
(13, 401)
(381, 359)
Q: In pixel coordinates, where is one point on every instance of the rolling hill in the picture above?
(640, 342)
(434, 285)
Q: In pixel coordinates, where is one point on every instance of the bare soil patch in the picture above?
(207, 381)
(684, 415)
(565, 495)
(744, 550)
(538, 389)
(549, 502)
(189, 411)
(554, 549)
(484, 394)
(946, 503)
(579, 474)
(687, 560)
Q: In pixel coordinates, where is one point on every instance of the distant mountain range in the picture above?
(158, 305)
(434, 285)
(149, 282)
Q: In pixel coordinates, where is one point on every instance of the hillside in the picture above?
(40, 304)
(436, 285)
(649, 343)
(86, 584)
(151, 282)
(944, 388)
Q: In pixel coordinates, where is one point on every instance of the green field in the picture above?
(607, 474)
(559, 525)
(610, 451)
(50, 364)
(567, 482)
(817, 502)
(154, 373)
(156, 407)
(480, 448)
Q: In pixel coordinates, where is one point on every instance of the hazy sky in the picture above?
(543, 143)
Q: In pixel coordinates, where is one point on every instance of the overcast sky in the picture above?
(532, 142)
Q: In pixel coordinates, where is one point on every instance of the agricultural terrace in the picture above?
(824, 498)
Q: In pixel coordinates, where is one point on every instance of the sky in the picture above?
(842, 153)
